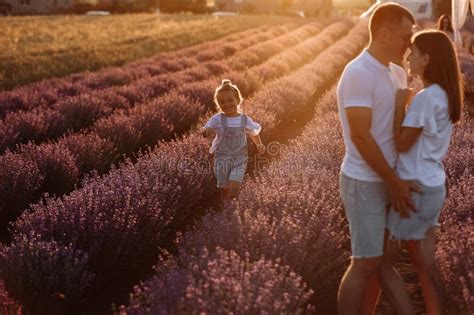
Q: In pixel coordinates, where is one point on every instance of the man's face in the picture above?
(398, 39)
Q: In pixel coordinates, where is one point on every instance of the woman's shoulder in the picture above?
(437, 94)
(434, 97)
(432, 91)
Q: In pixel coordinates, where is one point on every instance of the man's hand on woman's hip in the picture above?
(400, 196)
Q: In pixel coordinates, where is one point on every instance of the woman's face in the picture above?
(445, 24)
(228, 102)
(417, 61)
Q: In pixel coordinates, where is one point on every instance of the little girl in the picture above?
(229, 146)
(422, 136)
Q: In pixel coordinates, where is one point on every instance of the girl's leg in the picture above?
(234, 188)
(223, 194)
(422, 254)
(391, 281)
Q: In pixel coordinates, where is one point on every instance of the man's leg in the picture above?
(365, 208)
(354, 284)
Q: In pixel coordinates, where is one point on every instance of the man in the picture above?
(368, 183)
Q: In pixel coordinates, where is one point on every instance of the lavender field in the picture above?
(109, 203)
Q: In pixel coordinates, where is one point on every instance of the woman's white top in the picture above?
(423, 162)
(215, 123)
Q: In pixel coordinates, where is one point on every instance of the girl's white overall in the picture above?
(231, 156)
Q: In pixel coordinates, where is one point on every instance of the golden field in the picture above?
(38, 47)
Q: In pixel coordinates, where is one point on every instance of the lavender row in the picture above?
(292, 213)
(291, 94)
(7, 305)
(76, 113)
(456, 238)
(50, 91)
(222, 282)
(125, 132)
(118, 221)
(88, 150)
(137, 133)
(108, 231)
(130, 139)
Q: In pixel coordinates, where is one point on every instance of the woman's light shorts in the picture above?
(229, 167)
(365, 204)
(429, 204)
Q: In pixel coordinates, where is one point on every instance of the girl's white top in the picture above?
(423, 162)
(215, 123)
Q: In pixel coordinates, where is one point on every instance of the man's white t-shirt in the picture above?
(215, 123)
(423, 162)
(366, 82)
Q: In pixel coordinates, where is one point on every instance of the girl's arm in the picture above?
(258, 142)
(405, 137)
(208, 132)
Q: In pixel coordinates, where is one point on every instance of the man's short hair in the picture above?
(388, 13)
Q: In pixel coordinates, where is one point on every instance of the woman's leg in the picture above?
(372, 295)
(422, 254)
(392, 283)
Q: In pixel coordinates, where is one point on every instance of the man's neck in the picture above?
(379, 53)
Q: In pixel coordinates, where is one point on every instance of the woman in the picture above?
(422, 136)
(445, 25)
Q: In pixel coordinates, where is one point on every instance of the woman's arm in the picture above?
(405, 137)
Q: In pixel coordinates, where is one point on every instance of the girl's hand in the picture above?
(261, 148)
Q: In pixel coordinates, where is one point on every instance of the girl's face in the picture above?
(417, 61)
(228, 102)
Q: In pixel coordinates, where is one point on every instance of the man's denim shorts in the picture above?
(366, 205)
(229, 167)
(429, 204)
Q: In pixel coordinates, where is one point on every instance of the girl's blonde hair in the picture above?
(227, 85)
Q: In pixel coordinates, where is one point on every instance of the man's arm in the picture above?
(359, 119)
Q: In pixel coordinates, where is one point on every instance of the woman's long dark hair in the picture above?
(442, 68)
(440, 23)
